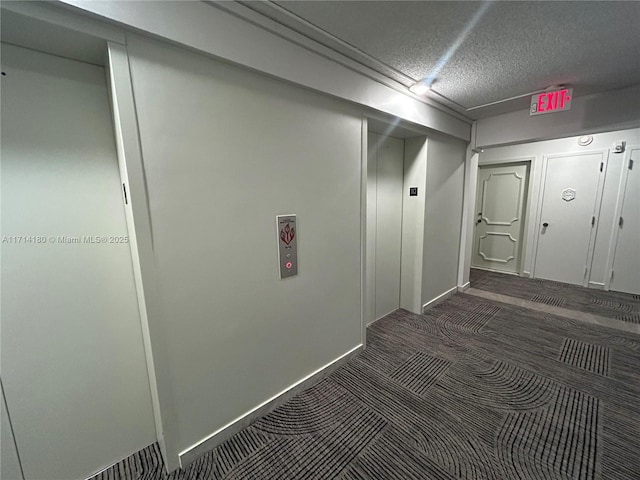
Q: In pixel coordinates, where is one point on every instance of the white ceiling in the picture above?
(478, 52)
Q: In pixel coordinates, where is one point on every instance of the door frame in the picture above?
(380, 142)
(371, 254)
(526, 212)
(596, 206)
(388, 127)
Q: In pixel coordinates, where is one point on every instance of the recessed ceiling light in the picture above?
(420, 88)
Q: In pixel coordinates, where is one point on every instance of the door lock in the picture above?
(545, 224)
(479, 221)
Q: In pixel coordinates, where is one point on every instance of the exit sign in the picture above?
(549, 102)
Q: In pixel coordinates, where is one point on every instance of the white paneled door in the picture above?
(568, 217)
(500, 207)
(626, 262)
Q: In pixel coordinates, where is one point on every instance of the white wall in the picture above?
(73, 367)
(604, 112)
(468, 216)
(443, 215)
(535, 152)
(371, 227)
(413, 224)
(225, 151)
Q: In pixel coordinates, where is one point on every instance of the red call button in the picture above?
(288, 265)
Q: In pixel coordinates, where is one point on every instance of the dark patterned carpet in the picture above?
(621, 306)
(470, 390)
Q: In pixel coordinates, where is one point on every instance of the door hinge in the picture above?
(585, 270)
(601, 165)
(630, 164)
(620, 222)
(593, 221)
(124, 191)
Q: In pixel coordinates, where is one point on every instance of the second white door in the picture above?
(568, 216)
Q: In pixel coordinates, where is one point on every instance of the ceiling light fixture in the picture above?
(420, 88)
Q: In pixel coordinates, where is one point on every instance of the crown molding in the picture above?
(277, 20)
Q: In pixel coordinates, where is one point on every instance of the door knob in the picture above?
(545, 224)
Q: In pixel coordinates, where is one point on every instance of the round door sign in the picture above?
(568, 194)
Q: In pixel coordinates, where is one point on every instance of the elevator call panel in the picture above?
(287, 245)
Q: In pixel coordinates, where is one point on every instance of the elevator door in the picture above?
(569, 216)
(73, 366)
(385, 185)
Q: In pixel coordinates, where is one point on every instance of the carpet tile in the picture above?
(472, 389)
(594, 358)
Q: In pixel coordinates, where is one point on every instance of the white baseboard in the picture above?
(219, 436)
(440, 298)
(597, 285)
(462, 288)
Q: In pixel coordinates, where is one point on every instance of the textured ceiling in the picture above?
(479, 52)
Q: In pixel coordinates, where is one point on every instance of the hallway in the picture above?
(472, 389)
(610, 309)
(208, 205)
